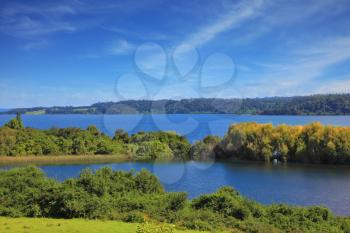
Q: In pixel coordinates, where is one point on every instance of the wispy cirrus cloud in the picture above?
(233, 17)
(34, 23)
(118, 47)
(285, 15)
(36, 44)
(301, 69)
(27, 21)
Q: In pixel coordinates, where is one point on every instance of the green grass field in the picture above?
(43, 225)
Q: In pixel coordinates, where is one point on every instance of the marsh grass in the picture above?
(62, 159)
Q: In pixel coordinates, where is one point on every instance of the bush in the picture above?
(147, 228)
(130, 197)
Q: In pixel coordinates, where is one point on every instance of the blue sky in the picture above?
(78, 52)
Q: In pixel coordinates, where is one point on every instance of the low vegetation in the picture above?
(45, 225)
(140, 198)
(62, 159)
(16, 140)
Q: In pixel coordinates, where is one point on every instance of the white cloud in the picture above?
(16, 9)
(121, 47)
(280, 16)
(233, 17)
(336, 86)
(117, 47)
(302, 67)
(27, 21)
(35, 45)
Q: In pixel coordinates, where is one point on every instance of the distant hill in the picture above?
(330, 104)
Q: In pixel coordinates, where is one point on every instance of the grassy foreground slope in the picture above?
(44, 225)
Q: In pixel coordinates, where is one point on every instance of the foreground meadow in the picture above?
(44, 225)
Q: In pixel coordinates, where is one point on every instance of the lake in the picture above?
(194, 126)
(293, 184)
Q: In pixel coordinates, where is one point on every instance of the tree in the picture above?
(16, 123)
(121, 135)
(153, 150)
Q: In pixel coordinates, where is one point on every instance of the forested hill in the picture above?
(331, 104)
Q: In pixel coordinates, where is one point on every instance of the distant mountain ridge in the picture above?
(325, 104)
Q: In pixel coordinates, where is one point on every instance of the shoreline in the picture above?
(101, 159)
(62, 159)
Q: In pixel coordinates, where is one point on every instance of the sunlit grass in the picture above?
(43, 225)
(62, 159)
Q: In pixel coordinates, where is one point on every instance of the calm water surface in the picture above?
(194, 126)
(294, 184)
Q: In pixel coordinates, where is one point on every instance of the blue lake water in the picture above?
(293, 184)
(194, 126)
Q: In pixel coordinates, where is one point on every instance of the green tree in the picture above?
(121, 135)
(16, 123)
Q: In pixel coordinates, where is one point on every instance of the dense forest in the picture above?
(332, 104)
(312, 143)
(139, 197)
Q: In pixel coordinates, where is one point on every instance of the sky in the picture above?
(79, 52)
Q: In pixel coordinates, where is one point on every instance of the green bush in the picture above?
(15, 140)
(137, 197)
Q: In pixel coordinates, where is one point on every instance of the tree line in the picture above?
(139, 197)
(16, 140)
(330, 104)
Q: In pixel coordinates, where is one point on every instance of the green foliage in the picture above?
(15, 140)
(121, 135)
(312, 143)
(205, 149)
(178, 145)
(147, 228)
(130, 197)
(151, 150)
(226, 201)
(145, 182)
(15, 123)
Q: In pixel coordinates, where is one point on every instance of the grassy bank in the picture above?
(62, 159)
(44, 225)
